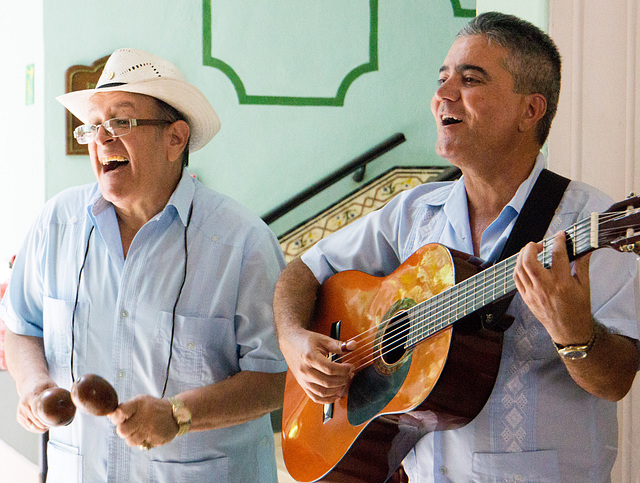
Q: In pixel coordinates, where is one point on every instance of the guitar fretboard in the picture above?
(488, 286)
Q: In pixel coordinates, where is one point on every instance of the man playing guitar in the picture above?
(572, 350)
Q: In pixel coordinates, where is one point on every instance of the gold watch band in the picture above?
(181, 415)
(576, 352)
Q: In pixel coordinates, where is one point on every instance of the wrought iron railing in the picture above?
(358, 166)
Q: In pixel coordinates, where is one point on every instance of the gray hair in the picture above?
(533, 59)
(169, 113)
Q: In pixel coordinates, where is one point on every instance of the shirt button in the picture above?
(443, 470)
(264, 441)
(121, 373)
(124, 314)
(191, 345)
(214, 238)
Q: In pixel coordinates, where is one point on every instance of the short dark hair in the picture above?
(169, 113)
(533, 59)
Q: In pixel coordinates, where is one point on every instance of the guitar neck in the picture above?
(490, 285)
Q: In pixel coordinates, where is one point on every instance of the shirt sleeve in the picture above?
(372, 244)
(22, 305)
(615, 293)
(613, 276)
(258, 347)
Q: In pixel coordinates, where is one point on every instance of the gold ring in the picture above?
(145, 446)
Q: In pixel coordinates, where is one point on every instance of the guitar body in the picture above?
(396, 396)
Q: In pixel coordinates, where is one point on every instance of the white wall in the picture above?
(596, 134)
(21, 126)
(21, 167)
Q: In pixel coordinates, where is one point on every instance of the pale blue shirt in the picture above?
(538, 424)
(223, 325)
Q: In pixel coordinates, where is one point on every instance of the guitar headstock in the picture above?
(619, 226)
(633, 201)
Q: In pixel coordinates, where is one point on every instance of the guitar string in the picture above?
(402, 327)
(499, 281)
(401, 339)
(403, 334)
(397, 333)
(396, 338)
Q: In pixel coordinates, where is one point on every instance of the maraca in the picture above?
(94, 395)
(54, 407)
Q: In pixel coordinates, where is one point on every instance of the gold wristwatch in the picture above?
(181, 415)
(576, 352)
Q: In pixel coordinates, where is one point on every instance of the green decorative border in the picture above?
(245, 98)
(458, 11)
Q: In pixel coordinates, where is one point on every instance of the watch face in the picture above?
(574, 354)
(182, 415)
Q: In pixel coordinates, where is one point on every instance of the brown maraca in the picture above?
(54, 407)
(94, 395)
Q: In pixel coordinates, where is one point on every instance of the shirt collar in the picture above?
(180, 200)
(456, 196)
(519, 199)
(182, 197)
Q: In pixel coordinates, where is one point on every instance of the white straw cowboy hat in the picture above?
(136, 71)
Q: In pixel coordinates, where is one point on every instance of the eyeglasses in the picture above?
(116, 127)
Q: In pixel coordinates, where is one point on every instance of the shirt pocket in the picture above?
(57, 318)
(212, 470)
(529, 466)
(64, 463)
(203, 349)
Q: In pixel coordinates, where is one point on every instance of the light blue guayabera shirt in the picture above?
(538, 424)
(223, 325)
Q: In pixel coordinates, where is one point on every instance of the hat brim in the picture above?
(202, 118)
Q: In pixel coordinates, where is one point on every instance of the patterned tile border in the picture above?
(368, 198)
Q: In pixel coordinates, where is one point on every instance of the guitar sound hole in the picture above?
(394, 340)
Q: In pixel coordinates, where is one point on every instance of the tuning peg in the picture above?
(631, 195)
(630, 247)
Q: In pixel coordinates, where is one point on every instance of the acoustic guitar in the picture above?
(426, 358)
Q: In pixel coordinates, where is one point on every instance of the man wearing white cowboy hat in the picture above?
(159, 285)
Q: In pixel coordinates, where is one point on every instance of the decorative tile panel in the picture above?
(370, 197)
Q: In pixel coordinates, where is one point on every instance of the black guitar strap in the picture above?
(531, 225)
(537, 212)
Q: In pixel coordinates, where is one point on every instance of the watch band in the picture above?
(181, 415)
(576, 352)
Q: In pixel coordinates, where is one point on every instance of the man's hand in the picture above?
(27, 413)
(307, 354)
(305, 351)
(558, 298)
(28, 368)
(145, 421)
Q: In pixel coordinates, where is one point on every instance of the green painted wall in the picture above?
(535, 11)
(266, 153)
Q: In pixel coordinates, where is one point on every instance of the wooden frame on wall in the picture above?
(77, 78)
